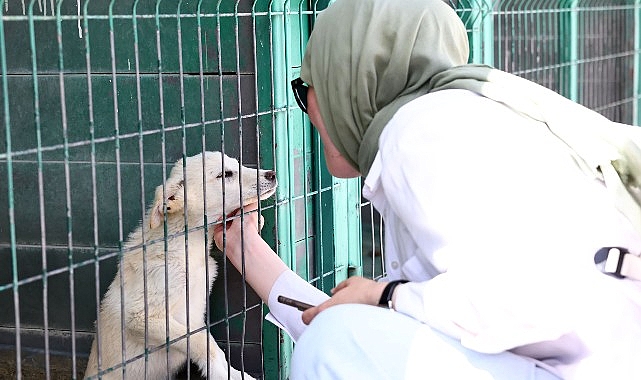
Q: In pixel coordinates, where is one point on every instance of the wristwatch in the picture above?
(388, 292)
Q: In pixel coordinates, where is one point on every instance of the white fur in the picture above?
(184, 201)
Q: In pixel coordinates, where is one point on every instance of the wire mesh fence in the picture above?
(587, 50)
(100, 99)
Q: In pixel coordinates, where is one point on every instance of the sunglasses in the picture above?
(300, 93)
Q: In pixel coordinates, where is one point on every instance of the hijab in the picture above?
(368, 58)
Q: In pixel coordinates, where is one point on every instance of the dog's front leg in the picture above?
(216, 363)
(198, 341)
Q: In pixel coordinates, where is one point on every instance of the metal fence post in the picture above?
(477, 15)
(277, 363)
(569, 49)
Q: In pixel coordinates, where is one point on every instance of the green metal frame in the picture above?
(319, 215)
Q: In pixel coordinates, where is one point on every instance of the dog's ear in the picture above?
(174, 198)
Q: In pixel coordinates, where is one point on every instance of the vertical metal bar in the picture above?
(65, 133)
(482, 38)
(354, 235)
(498, 45)
(203, 149)
(114, 89)
(259, 159)
(221, 104)
(602, 61)
(372, 240)
(282, 341)
(303, 151)
(70, 248)
(587, 95)
(589, 55)
(280, 60)
(94, 201)
(513, 31)
(161, 97)
(571, 48)
(581, 67)
(319, 217)
(382, 245)
(287, 50)
(524, 36)
(280, 64)
(134, 21)
(240, 189)
(553, 53)
(10, 196)
(184, 163)
(285, 137)
(41, 200)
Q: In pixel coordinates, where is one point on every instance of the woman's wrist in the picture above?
(387, 296)
(262, 265)
(377, 292)
(235, 245)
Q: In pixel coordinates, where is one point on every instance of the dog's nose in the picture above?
(270, 175)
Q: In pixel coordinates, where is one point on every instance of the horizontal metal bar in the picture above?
(3, 156)
(150, 16)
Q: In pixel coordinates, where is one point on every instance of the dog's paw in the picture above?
(218, 368)
(237, 375)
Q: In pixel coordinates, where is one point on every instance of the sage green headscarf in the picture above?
(368, 58)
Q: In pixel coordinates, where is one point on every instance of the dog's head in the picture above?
(228, 186)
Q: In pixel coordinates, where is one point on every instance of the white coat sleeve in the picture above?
(288, 318)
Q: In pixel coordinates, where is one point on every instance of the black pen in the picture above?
(302, 306)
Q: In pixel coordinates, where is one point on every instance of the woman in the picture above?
(496, 195)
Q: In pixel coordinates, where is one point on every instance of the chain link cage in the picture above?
(100, 98)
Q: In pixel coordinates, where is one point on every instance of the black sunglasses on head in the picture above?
(300, 93)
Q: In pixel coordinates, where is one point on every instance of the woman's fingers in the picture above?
(311, 313)
(353, 290)
(250, 218)
(250, 207)
(343, 285)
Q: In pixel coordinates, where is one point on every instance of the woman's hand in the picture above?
(251, 255)
(353, 290)
(253, 223)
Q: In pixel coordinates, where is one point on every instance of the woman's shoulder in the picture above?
(454, 108)
(451, 102)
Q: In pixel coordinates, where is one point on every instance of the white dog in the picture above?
(150, 253)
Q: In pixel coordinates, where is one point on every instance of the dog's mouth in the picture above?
(264, 195)
(268, 193)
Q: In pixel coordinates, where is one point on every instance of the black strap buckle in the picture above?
(609, 260)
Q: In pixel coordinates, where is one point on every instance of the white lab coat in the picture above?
(496, 227)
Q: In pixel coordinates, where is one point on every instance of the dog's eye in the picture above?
(226, 173)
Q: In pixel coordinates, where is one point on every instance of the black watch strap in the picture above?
(386, 297)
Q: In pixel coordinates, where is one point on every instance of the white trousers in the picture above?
(367, 342)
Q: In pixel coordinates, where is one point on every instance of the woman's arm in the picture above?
(265, 271)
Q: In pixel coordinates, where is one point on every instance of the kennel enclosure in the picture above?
(100, 98)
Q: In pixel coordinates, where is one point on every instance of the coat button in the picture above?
(394, 264)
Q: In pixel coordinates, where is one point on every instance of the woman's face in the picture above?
(336, 164)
